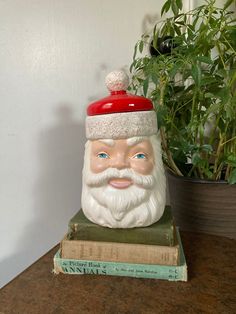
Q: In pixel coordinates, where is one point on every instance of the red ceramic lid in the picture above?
(119, 100)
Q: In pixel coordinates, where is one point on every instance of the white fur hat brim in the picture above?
(121, 125)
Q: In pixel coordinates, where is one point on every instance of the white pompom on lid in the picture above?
(117, 81)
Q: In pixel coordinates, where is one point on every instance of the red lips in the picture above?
(122, 183)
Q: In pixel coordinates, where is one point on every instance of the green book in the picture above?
(86, 267)
(160, 233)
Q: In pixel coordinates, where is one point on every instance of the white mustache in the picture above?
(100, 179)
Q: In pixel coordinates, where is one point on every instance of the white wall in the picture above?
(54, 55)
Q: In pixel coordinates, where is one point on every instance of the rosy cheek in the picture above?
(98, 165)
(142, 167)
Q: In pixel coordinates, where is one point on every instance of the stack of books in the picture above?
(148, 252)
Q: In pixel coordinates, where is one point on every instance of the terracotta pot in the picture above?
(203, 206)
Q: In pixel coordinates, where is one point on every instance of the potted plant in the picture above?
(188, 71)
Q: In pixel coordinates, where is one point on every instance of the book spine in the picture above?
(120, 252)
(160, 233)
(79, 267)
(92, 233)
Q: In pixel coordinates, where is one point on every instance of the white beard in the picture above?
(139, 205)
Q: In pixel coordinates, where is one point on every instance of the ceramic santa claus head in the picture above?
(124, 184)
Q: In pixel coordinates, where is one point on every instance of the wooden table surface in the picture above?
(211, 287)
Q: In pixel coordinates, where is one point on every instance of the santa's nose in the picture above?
(120, 161)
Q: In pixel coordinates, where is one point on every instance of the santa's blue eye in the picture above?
(140, 156)
(102, 155)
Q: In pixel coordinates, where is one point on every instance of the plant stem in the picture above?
(227, 173)
(172, 164)
(231, 139)
(200, 173)
(170, 159)
(193, 105)
(220, 55)
(219, 148)
(219, 170)
(214, 130)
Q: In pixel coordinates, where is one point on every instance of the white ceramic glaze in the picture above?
(124, 184)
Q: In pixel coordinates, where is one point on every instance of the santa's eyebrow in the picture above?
(135, 140)
(109, 142)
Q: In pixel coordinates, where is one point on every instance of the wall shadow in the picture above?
(149, 22)
(61, 152)
(56, 192)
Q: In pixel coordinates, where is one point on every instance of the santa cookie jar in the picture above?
(124, 184)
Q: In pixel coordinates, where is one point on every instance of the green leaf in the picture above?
(177, 30)
(204, 59)
(135, 51)
(196, 159)
(179, 4)
(232, 177)
(166, 7)
(145, 36)
(224, 94)
(196, 18)
(161, 114)
(141, 44)
(232, 160)
(155, 37)
(155, 78)
(207, 148)
(209, 95)
(196, 74)
(208, 173)
(227, 4)
(222, 73)
(230, 111)
(174, 7)
(145, 86)
(190, 34)
(175, 69)
(179, 23)
(191, 27)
